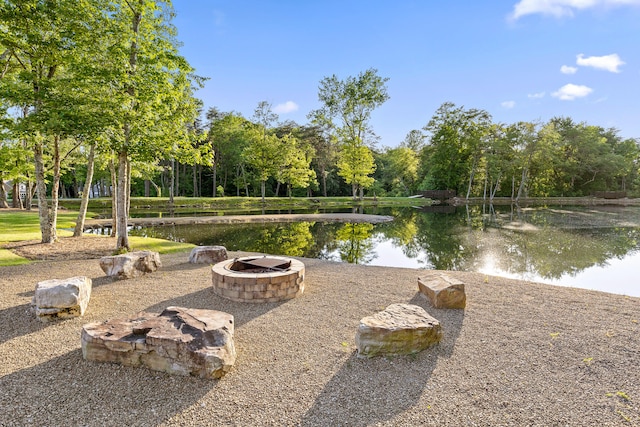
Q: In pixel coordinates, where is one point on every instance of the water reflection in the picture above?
(554, 245)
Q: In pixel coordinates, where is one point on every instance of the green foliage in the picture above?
(467, 152)
(346, 109)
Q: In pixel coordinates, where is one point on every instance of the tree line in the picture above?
(97, 99)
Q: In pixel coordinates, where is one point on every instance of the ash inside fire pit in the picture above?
(260, 265)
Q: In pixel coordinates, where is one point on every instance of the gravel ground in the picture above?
(521, 354)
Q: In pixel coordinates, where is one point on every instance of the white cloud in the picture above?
(565, 69)
(607, 62)
(508, 104)
(569, 92)
(560, 8)
(536, 95)
(287, 107)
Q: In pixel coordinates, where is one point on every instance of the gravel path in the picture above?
(521, 354)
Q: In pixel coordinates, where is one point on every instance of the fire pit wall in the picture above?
(258, 287)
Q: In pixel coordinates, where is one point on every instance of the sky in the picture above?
(527, 60)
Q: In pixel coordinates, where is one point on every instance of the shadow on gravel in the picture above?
(19, 320)
(385, 387)
(206, 299)
(68, 390)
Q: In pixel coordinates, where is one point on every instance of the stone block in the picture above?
(130, 265)
(179, 340)
(208, 254)
(62, 298)
(443, 291)
(398, 330)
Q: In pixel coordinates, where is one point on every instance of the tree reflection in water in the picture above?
(528, 243)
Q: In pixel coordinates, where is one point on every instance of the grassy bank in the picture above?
(249, 203)
(18, 226)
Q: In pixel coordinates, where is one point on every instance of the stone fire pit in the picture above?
(258, 279)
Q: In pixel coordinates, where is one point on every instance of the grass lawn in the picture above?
(17, 226)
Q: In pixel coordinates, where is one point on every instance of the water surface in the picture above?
(587, 247)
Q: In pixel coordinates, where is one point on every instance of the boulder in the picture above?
(399, 329)
(208, 254)
(62, 298)
(129, 265)
(179, 340)
(443, 291)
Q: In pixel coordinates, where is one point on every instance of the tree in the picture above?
(400, 173)
(45, 42)
(346, 111)
(264, 154)
(456, 143)
(155, 92)
(295, 170)
(229, 134)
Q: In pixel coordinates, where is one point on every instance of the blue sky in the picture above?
(519, 60)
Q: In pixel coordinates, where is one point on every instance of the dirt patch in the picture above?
(66, 248)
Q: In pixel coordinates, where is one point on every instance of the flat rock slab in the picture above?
(443, 291)
(208, 254)
(62, 298)
(130, 265)
(399, 329)
(179, 340)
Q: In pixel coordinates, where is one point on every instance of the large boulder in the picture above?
(179, 340)
(62, 298)
(443, 291)
(208, 254)
(130, 265)
(399, 329)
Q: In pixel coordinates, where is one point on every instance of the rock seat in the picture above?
(208, 254)
(443, 291)
(130, 265)
(179, 340)
(399, 329)
(62, 298)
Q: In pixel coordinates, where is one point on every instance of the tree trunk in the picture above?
(16, 201)
(262, 189)
(3, 193)
(82, 214)
(147, 188)
(195, 180)
(522, 183)
(244, 178)
(31, 188)
(471, 175)
(48, 214)
(215, 176)
(43, 207)
(323, 173)
(114, 198)
(121, 208)
(127, 194)
(172, 179)
(484, 191)
(277, 188)
(158, 189)
(361, 191)
(176, 178)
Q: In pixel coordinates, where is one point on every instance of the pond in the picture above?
(588, 247)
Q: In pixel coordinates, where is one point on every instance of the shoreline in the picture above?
(239, 219)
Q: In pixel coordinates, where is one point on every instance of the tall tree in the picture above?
(155, 88)
(457, 140)
(346, 110)
(45, 40)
